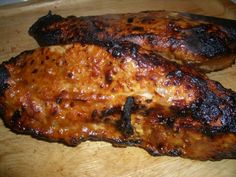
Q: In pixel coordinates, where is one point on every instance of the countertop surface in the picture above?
(24, 156)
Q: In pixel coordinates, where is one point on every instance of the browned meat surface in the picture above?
(207, 43)
(122, 94)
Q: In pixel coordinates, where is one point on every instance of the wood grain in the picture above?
(24, 156)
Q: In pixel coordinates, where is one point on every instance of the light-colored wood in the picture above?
(24, 156)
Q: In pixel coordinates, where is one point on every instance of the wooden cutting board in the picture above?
(24, 156)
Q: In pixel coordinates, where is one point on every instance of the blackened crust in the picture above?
(229, 25)
(206, 43)
(208, 109)
(44, 37)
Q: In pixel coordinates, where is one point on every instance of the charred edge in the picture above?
(74, 141)
(152, 151)
(220, 21)
(59, 100)
(15, 119)
(117, 142)
(206, 43)
(38, 134)
(134, 142)
(225, 155)
(2, 111)
(4, 75)
(229, 25)
(175, 152)
(210, 107)
(125, 122)
(46, 38)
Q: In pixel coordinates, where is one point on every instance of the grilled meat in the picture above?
(120, 93)
(206, 43)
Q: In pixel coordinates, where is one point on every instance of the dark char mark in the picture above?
(175, 152)
(143, 59)
(125, 122)
(228, 25)
(15, 119)
(2, 111)
(45, 37)
(111, 111)
(210, 107)
(206, 43)
(16, 122)
(130, 20)
(4, 75)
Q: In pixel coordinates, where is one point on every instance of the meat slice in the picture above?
(206, 43)
(122, 94)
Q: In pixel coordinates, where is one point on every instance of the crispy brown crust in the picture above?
(119, 93)
(207, 43)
